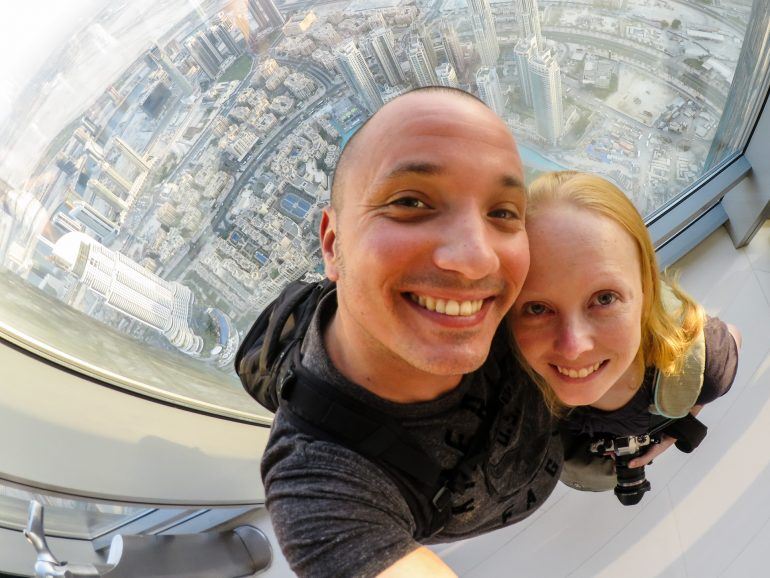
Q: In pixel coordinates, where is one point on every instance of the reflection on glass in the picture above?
(64, 517)
(165, 168)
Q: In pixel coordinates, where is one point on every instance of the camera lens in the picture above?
(632, 483)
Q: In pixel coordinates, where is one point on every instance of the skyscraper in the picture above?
(134, 157)
(424, 73)
(103, 228)
(382, 44)
(351, 64)
(528, 19)
(446, 75)
(488, 84)
(221, 32)
(131, 289)
(207, 38)
(200, 50)
(452, 48)
(545, 80)
(742, 102)
(484, 31)
(420, 30)
(525, 50)
(265, 13)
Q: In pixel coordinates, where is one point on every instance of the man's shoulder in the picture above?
(290, 449)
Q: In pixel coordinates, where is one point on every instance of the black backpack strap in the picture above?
(354, 424)
(323, 411)
(260, 358)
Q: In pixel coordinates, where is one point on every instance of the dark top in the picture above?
(336, 513)
(634, 417)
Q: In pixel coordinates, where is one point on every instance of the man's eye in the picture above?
(410, 202)
(534, 309)
(605, 298)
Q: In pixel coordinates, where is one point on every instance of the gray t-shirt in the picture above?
(338, 514)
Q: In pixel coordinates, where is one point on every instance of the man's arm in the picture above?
(418, 563)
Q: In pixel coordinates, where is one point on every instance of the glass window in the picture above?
(65, 517)
(163, 163)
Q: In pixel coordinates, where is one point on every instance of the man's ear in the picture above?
(328, 235)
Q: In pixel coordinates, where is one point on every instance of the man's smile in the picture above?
(448, 306)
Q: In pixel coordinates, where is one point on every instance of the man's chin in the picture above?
(450, 363)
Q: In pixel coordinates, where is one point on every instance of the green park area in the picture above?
(238, 69)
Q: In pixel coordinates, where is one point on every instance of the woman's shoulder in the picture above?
(721, 360)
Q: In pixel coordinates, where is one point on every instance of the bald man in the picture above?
(425, 240)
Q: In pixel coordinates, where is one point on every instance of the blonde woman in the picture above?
(593, 324)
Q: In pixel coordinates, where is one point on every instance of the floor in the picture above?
(708, 513)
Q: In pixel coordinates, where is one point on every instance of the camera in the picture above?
(632, 483)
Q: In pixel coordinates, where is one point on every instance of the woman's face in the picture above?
(577, 320)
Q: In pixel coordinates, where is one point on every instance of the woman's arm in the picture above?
(657, 449)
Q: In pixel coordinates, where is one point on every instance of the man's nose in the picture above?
(467, 247)
(574, 337)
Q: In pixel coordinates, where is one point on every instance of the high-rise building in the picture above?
(528, 19)
(525, 50)
(351, 64)
(545, 80)
(211, 42)
(382, 47)
(103, 228)
(446, 75)
(424, 73)
(452, 47)
(67, 224)
(266, 14)
(488, 84)
(131, 289)
(742, 102)
(484, 31)
(221, 32)
(422, 31)
(159, 56)
(134, 157)
(200, 49)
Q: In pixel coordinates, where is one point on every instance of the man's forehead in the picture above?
(435, 114)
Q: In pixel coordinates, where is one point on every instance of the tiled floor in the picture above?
(709, 512)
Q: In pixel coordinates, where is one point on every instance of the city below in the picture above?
(186, 194)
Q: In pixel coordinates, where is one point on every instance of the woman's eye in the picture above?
(534, 309)
(504, 214)
(606, 298)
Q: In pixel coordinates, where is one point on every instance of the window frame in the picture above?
(735, 194)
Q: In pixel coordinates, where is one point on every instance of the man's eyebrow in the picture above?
(425, 168)
(512, 181)
(414, 167)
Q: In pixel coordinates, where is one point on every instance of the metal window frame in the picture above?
(736, 194)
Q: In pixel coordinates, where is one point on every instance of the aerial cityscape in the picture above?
(185, 191)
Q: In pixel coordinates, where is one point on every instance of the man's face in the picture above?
(429, 249)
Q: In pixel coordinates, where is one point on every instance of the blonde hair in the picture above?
(666, 335)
